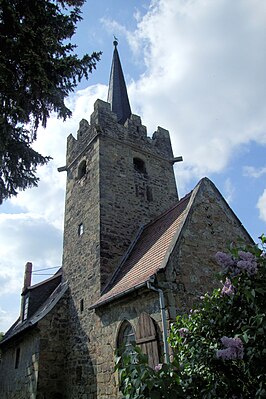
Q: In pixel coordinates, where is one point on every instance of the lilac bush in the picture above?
(233, 349)
(219, 346)
(223, 353)
(228, 288)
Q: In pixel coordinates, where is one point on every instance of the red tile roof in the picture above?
(149, 253)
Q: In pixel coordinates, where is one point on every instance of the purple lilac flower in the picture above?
(224, 260)
(183, 332)
(158, 367)
(233, 349)
(228, 288)
(247, 262)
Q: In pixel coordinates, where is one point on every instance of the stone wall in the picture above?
(210, 227)
(52, 337)
(38, 371)
(19, 367)
(110, 319)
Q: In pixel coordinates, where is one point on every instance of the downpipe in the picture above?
(163, 316)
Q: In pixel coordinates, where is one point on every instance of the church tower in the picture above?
(118, 179)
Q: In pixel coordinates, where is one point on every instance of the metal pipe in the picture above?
(162, 308)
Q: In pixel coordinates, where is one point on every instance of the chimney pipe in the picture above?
(27, 276)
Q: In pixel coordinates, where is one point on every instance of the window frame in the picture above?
(121, 342)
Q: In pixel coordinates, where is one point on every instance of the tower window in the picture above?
(80, 229)
(139, 165)
(81, 305)
(82, 169)
(17, 358)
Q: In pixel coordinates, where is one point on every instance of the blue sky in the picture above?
(194, 67)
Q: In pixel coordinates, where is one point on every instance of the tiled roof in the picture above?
(149, 253)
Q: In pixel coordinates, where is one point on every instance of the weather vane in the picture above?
(115, 42)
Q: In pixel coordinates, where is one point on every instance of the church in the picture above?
(135, 255)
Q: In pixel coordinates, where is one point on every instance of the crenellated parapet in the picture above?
(104, 122)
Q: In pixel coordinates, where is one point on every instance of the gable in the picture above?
(149, 252)
(202, 212)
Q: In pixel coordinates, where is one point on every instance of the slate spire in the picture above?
(117, 92)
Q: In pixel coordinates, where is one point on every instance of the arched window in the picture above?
(82, 169)
(139, 165)
(126, 337)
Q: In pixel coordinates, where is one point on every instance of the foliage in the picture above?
(139, 381)
(38, 69)
(219, 348)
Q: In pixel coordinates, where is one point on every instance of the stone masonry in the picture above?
(111, 199)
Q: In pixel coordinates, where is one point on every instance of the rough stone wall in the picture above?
(20, 382)
(111, 200)
(110, 318)
(40, 370)
(210, 227)
(53, 331)
(81, 343)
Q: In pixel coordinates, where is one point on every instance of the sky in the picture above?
(194, 67)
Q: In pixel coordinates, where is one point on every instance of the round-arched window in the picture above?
(126, 337)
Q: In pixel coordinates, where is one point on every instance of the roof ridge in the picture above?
(57, 274)
(169, 210)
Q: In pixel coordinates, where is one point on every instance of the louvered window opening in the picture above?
(26, 308)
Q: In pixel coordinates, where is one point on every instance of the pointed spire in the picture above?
(117, 92)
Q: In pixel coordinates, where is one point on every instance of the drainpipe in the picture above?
(162, 309)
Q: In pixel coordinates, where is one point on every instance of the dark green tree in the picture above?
(38, 69)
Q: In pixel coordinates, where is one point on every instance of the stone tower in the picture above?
(117, 180)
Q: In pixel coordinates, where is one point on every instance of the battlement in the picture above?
(104, 122)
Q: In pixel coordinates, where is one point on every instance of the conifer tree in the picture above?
(38, 69)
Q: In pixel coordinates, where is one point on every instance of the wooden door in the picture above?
(146, 338)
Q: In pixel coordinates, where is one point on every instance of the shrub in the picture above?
(220, 346)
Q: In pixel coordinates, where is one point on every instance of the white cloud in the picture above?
(261, 205)
(26, 238)
(204, 67)
(47, 200)
(251, 171)
(229, 190)
(31, 228)
(7, 318)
